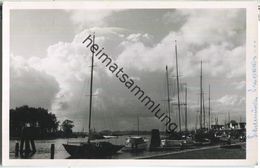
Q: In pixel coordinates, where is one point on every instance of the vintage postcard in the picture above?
(130, 83)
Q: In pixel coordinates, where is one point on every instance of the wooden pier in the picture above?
(181, 154)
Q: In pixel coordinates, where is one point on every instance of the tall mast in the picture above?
(204, 115)
(91, 83)
(209, 106)
(186, 109)
(168, 92)
(178, 89)
(200, 94)
(196, 122)
(138, 125)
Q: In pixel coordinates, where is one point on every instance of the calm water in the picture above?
(43, 150)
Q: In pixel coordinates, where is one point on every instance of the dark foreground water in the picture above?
(43, 151)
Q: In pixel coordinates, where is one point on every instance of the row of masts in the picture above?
(202, 107)
(202, 116)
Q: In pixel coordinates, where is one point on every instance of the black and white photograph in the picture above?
(167, 83)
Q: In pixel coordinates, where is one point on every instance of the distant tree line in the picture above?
(45, 123)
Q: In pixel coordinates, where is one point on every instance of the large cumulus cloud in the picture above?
(217, 37)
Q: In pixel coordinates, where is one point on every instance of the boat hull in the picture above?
(136, 148)
(172, 144)
(135, 144)
(92, 150)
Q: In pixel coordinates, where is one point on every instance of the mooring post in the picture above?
(52, 151)
(21, 147)
(27, 148)
(33, 146)
(17, 149)
(155, 139)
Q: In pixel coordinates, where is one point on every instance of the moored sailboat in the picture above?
(91, 149)
(170, 142)
(174, 139)
(136, 143)
(203, 135)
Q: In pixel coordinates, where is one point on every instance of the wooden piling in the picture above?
(21, 147)
(52, 151)
(17, 149)
(27, 148)
(27, 145)
(33, 146)
(155, 139)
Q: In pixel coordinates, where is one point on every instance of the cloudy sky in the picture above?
(50, 66)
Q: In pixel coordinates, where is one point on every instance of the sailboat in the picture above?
(91, 149)
(136, 143)
(173, 141)
(202, 135)
(177, 140)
